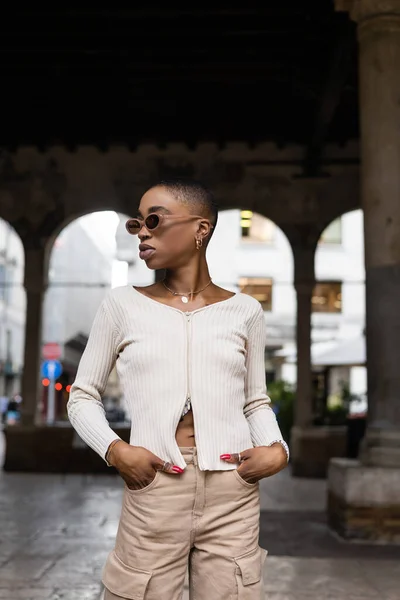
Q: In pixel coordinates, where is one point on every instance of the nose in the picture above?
(144, 233)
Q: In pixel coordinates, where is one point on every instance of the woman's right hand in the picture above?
(138, 466)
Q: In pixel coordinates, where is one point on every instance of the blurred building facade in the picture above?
(79, 275)
(12, 310)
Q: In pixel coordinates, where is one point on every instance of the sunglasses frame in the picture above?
(161, 217)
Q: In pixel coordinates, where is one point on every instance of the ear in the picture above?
(204, 229)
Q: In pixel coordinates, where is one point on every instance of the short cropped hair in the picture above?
(195, 195)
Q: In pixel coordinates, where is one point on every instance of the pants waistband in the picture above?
(189, 454)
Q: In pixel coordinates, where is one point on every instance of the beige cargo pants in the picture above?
(206, 521)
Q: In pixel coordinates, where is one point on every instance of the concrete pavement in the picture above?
(56, 531)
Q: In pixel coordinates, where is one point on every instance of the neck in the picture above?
(188, 279)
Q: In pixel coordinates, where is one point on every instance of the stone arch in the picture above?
(102, 218)
(338, 196)
(61, 225)
(232, 251)
(10, 236)
(337, 233)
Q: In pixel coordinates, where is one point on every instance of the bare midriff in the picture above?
(184, 434)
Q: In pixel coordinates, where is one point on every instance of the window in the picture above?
(327, 297)
(258, 287)
(333, 233)
(256, 228)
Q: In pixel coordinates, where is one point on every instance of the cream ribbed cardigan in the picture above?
(214, 355)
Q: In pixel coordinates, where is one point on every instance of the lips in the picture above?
(145, 251)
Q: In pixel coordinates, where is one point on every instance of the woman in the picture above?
(190, 357)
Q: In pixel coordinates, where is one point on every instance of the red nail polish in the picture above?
(225, 456)
(177, 469)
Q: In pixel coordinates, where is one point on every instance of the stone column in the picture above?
(302, 462)
(311, 446)
(303, 408)
(379, 41)
(35, 284)
(364, 498)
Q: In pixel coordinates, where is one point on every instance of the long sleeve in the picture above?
(263, 425)
(85, 408)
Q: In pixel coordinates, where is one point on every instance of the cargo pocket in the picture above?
(122, 581)
(249, 567)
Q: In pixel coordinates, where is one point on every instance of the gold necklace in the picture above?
(185, 297)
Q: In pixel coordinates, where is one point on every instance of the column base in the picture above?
(53, 449)
(311, 449)
(364, 501)
(381, 448)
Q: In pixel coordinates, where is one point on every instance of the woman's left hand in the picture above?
(260, 462)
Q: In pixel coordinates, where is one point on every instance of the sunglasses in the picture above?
(153, 221)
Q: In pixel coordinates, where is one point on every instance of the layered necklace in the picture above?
(188, 295)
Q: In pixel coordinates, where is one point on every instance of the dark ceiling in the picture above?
(284, 72)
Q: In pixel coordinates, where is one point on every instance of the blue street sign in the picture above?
(51, 369)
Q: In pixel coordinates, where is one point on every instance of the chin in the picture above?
(153, 264)
(156, 263)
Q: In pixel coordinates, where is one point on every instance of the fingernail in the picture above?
(225, 456)
(177, 469)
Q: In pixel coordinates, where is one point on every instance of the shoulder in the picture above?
(252, 310)
(118, 296)
(250, 303)
(116, 301)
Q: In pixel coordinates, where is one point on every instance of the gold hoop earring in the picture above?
(199, 243)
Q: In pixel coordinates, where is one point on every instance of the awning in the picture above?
(335, 353)
(350, 353)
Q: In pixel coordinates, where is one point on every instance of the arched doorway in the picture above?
(88, 258)
(249, 253)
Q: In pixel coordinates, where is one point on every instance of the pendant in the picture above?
(184, 299)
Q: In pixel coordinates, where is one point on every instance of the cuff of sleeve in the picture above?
(285, 447)
(117, 439)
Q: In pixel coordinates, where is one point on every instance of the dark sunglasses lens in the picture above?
(133, 226)
(152, 221)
